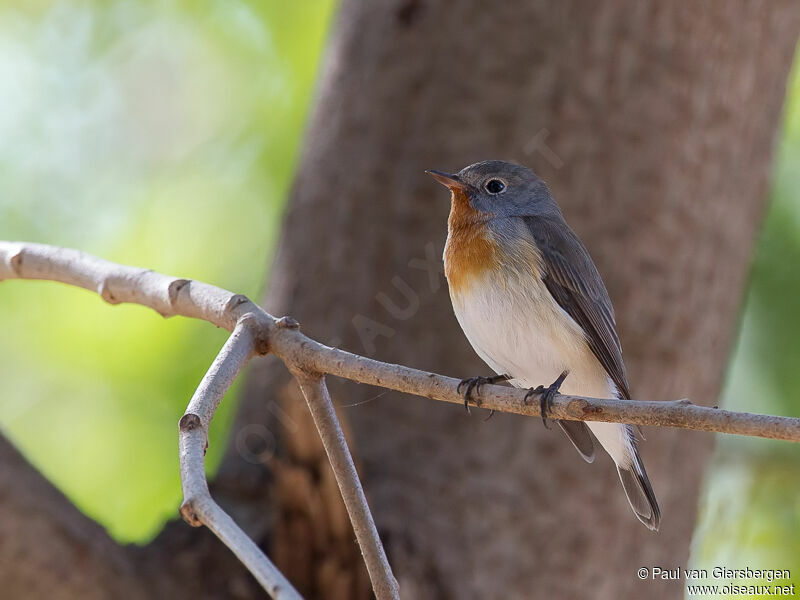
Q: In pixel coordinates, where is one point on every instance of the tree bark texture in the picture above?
(653, 123)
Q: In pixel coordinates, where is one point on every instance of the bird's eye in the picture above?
(495, 186)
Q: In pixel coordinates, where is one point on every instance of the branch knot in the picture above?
(189, 514)
(15, 262)
(189, 422)
(174, 288)
(104, 290)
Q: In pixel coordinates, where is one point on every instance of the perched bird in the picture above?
(532, 304)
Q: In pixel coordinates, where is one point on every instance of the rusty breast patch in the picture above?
(470, 250)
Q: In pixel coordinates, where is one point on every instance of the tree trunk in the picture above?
(48, 549)
(653, 124)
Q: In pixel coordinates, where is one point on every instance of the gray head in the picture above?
(502, 189)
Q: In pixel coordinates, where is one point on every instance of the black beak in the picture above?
(447, 179)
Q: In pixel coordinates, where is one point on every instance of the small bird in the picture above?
(532, 304)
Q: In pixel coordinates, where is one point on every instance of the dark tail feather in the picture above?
(580, 436)
(640, 493)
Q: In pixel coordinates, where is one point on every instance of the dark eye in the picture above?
(495, 186)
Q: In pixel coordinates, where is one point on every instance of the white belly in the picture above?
(521, 331)
(526, 334)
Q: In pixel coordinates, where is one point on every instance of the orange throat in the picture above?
(469, 251)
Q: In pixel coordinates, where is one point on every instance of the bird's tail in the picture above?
(638, 489)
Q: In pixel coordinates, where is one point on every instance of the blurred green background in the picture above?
(164, 134)
(159, 134)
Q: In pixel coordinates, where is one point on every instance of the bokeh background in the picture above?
(164, 135)
(158, 134)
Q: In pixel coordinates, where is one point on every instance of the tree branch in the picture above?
(256, 331)
(198, 507)
(321, 407)
(171, 296)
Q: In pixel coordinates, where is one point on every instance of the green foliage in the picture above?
(159, 134)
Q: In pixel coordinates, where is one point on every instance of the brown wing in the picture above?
(572, 279)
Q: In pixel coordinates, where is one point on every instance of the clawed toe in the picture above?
(472, 383)
(469, 384)
(546, 395)
(533, 392)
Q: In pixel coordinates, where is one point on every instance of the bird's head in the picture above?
(500, 189)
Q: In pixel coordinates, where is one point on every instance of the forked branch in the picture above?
(198, 507)
(257, 332)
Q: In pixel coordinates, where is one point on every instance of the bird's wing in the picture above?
(572, 279)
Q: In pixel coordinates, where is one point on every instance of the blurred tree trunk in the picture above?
(653, 123)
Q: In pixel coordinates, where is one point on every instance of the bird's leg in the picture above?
(475, 383)
(546, 395)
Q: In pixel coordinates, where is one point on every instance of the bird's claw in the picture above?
(472, 383)
(546, 395)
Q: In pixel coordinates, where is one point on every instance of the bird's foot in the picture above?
(475, 383)
(546, 395)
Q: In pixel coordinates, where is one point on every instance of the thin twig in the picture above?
(681, 414)
(319, 403)
(198, 507)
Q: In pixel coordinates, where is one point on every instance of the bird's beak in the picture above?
(447, 180)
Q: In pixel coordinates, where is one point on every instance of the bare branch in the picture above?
(256, 331)
(172, 296)
(321, 407)
(118, 283)
(198, 507)
(681, 414)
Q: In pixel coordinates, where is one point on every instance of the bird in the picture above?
(532, 304)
